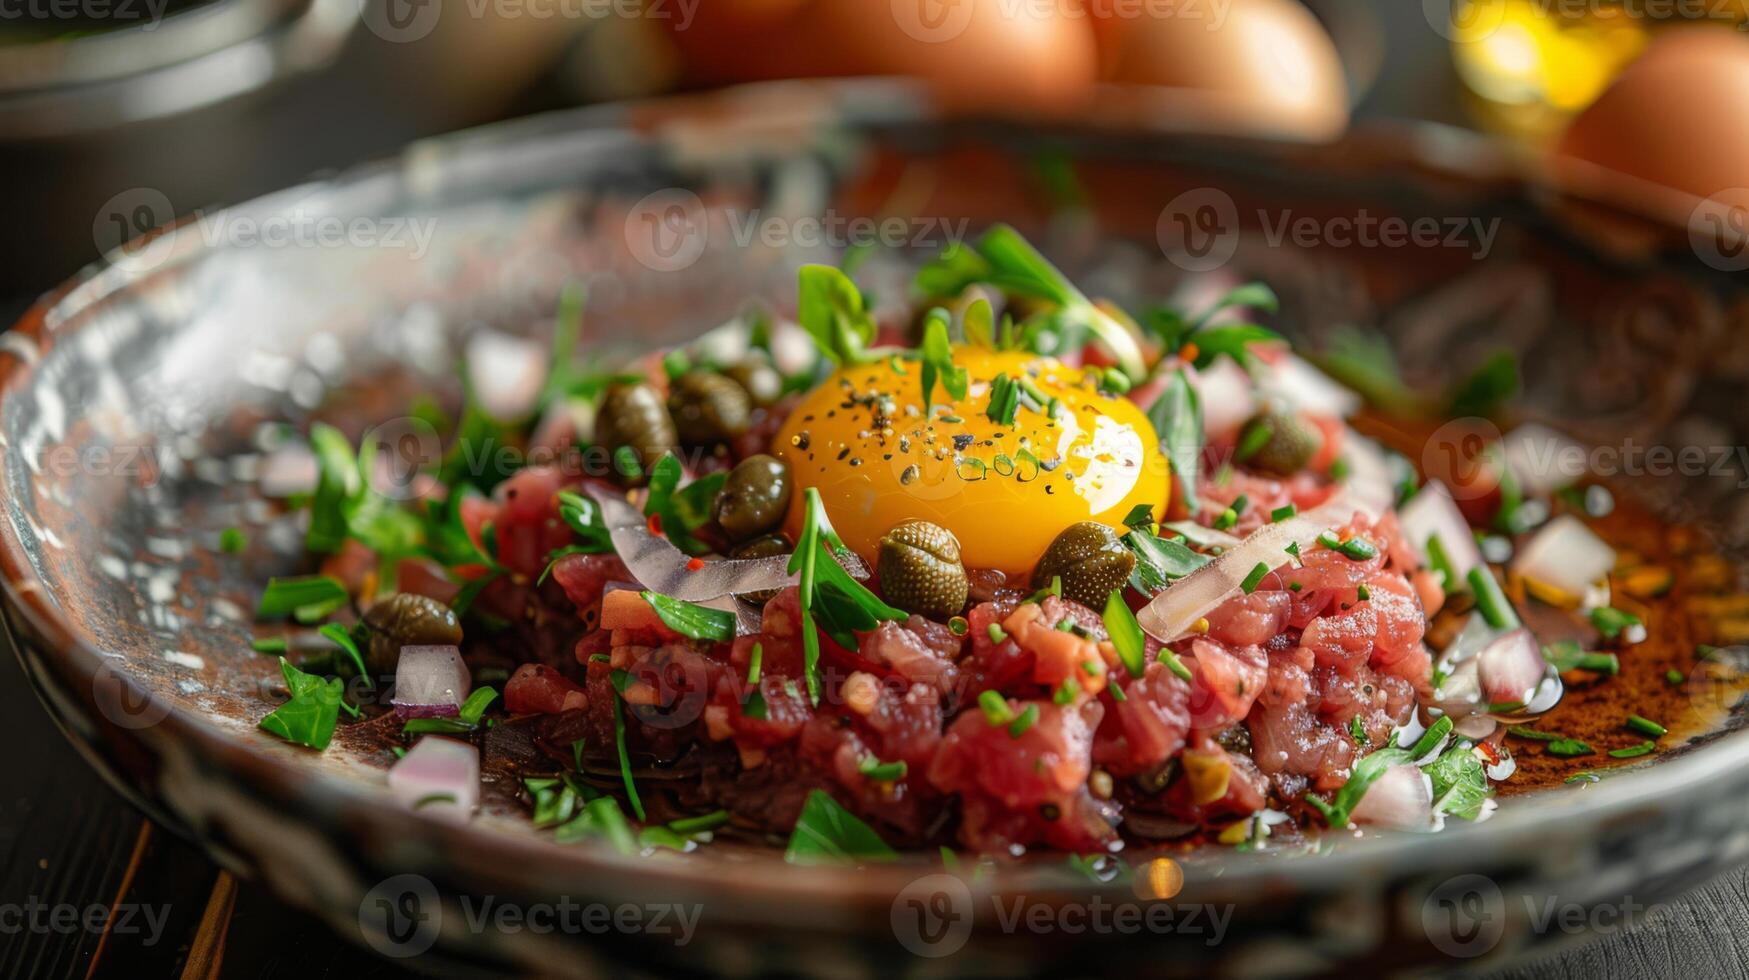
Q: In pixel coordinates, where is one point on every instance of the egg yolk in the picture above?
(865, 441)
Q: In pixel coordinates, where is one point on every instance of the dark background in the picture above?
(65, 837)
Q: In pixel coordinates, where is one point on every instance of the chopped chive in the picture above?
(232, 540)
(1066, 692)
(1504, 707)
(1295, 586)
(1439, 560)
(1568, 748)
(1363, 593)
(1492, 602)
(1283, 513)
(995, 708)
(1357, 731)
(1240, 504)
(1525, 731)
(1612, 623)
(958, 626)
(1255, 578)
(1021, 725)
(1117, 693)
(1126, 634)
(269, 644)
(687, 826)
(882, 772)
(1646, 726)
(1633, 751)
(1674, 677)
(1227, 519)
(997, 634)
(754, 660)
(1174, 664)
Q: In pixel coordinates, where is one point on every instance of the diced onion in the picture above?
(1370, 485)
(1510, 668)
(1175, 610)
(1227, 396)
(288, 471)
(439, 777)
(1566, 556)
(661, 567)
(1432, 512)
(505, 372)
(430, 682)
(1543, 460)
(1402, 798)
(1291, 380)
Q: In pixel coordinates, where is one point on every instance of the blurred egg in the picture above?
(1677, 118)
(985, 53)
(865, 441)
(1267, 62)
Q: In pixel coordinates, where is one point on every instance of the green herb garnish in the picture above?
(828, 833)
(1612, 623)
(308, 717)
(1126, 634)
(690, 619)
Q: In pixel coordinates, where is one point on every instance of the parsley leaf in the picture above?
(826, 833)
(830, 309)
(938, 360)
(1159, 560)
(308, 717)
(830, 599)
(310, 596)
(1460, 785)
(1177, 419)
(692, 620)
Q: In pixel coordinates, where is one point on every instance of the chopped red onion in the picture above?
(439, 777)
(1402, 798)
(430, 682)
(1510, 668)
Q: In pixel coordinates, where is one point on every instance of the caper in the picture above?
(920, 570)
(407, 620)
(758, 378)
(708, 408)
(1278, 443)
(633, 416)
(754, 498)
(764, 546)
(1090, 560)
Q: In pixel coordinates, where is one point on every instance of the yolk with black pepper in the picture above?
(1072, 453)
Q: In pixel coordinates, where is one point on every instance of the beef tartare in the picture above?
(1013, 570)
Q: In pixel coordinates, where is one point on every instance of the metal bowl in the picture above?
(132, 411)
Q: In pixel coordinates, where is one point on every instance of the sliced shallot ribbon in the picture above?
(661, 567)
(1172, 613)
